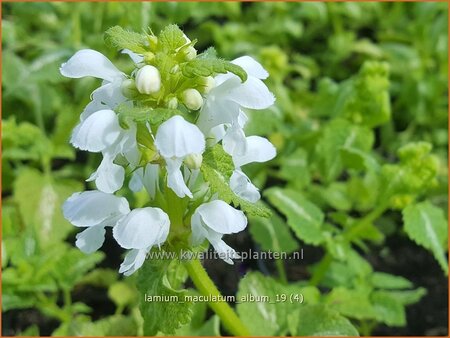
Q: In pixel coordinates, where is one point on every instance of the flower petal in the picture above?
(93, 207)
(221, 217)
(109, 94)
(234, 141)
(109, 176)
(243, 187)
(135, 183)
(178, 138)
(88, 62)
(134, 259)
(225, 251)
(91, 239)
(92, 107)
(252, 67)
(252, 94)
(199, 232)
(175, 180)
(216, 134)
(142, 228)
(259, 149)
(97, 132)
(136, 58)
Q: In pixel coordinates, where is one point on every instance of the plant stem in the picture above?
(206, 286)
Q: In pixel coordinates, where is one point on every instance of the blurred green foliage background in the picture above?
(379, 66)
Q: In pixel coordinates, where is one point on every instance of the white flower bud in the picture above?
(128, 88)
(193, 161)
(192, 99)
(148, 80)
(173, 103)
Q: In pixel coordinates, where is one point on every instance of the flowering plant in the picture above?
(175, 127)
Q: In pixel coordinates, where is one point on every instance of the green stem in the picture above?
(352, 232)
(206, 286)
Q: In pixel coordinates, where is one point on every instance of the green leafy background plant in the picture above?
(360, 125)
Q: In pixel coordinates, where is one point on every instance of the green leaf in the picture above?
(303, 217)
(388, 310)
(217, 167)
(23, 141)
(122, 294)
(337, 135)
(116, 325)
(164, 316)
(120, 38)
(171, 38)
(272, 234)
(294, 167)
(426, 225)
(354, 158)
(268, 316)
(407, 297)
(384, 280)
(318, 320)
(155, 116)
(40, 199)
(354, 303)
(207, 67)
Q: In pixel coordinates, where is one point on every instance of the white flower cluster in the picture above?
(179, 145)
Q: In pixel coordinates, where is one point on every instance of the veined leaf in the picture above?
(337, 135)
(207, 67)
(120, 38)
(426, 225)
(172, 311)
(318, 320)
(272, 234)
(303, 217)
(267, 317)
(171, 38)
(388, 310)
(387, 281)
(217, 167)
(40, 198)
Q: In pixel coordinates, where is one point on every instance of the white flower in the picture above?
(214, 219)
(140, 230)
(223, 103)
(97, 132)
(175, 139)
(258, 149)
(148, 80)
(88, 62)
(101, 132)
(94, 210)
